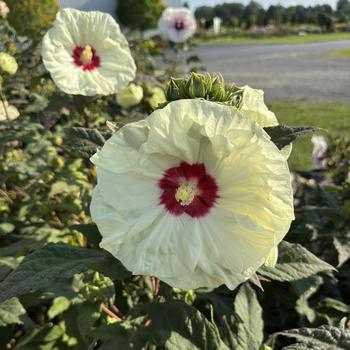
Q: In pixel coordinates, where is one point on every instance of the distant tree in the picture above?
(252, 15)
(326, 22)
(230, 13)
(140, 14)
(343, 10)
(206, 12)
(275, 15)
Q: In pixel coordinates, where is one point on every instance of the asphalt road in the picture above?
(284, 72)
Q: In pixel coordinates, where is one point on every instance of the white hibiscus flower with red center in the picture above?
(177, 24)
(196, 195)
(86, 54)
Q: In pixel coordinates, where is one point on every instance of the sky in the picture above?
(265, 3)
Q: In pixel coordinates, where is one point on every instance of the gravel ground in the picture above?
(284, 72)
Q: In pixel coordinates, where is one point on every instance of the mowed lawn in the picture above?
(290, 39)
(341, 53)
(333, 117)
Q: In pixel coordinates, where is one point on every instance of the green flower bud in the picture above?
(131, 96)
(211, 87)
(196, 86)
(174, 89)
(97, 287)
(157, 98)
(217, 92)
(188, 296)
(8, 63)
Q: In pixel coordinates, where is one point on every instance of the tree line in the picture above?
(239, 15)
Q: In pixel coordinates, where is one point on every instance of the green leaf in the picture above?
(62, 187)
(297, 347)
(322, 338)
(250, 329)
(342, 245)
(7, 264)
(10, 312)
(45, 338)
(6, 228)
(331, 311)
(283, 135)
(306, 288)
(174, 325)
(337, 305)
(91, 232)
(80, 320)
(56, 263)
(85, 141)
(294, 263)
(59, 305)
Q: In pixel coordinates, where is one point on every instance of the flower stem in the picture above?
(109, 312)
(155, 285)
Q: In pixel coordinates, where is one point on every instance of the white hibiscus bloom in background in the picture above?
(196, 195)
(86, 54)
(177, 24)
(7, 111)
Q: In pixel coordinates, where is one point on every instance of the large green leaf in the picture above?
(173, 325)
(85, 141)
(55, 263)
(283, 135)
(10, 312)
(322, 338)
(294, 262)
(250, 329)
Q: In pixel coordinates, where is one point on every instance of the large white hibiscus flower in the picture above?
(177, 24)
(196, 195)
(87, 54)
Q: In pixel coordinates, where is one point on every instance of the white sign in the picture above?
(217, 25)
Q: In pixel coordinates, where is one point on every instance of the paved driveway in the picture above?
(287, 72)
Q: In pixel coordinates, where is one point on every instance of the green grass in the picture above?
(291, 39)
(332, 116)
(342, 53)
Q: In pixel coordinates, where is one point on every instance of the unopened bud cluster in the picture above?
(97, 287)
(210, 87)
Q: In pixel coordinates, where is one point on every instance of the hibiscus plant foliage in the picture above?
(60, 290)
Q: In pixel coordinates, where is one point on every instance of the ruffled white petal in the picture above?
(254, 107)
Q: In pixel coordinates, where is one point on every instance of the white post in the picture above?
(217, 25)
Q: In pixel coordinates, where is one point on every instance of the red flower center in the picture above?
(188, 189)
(86, 58)
(179, 25)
